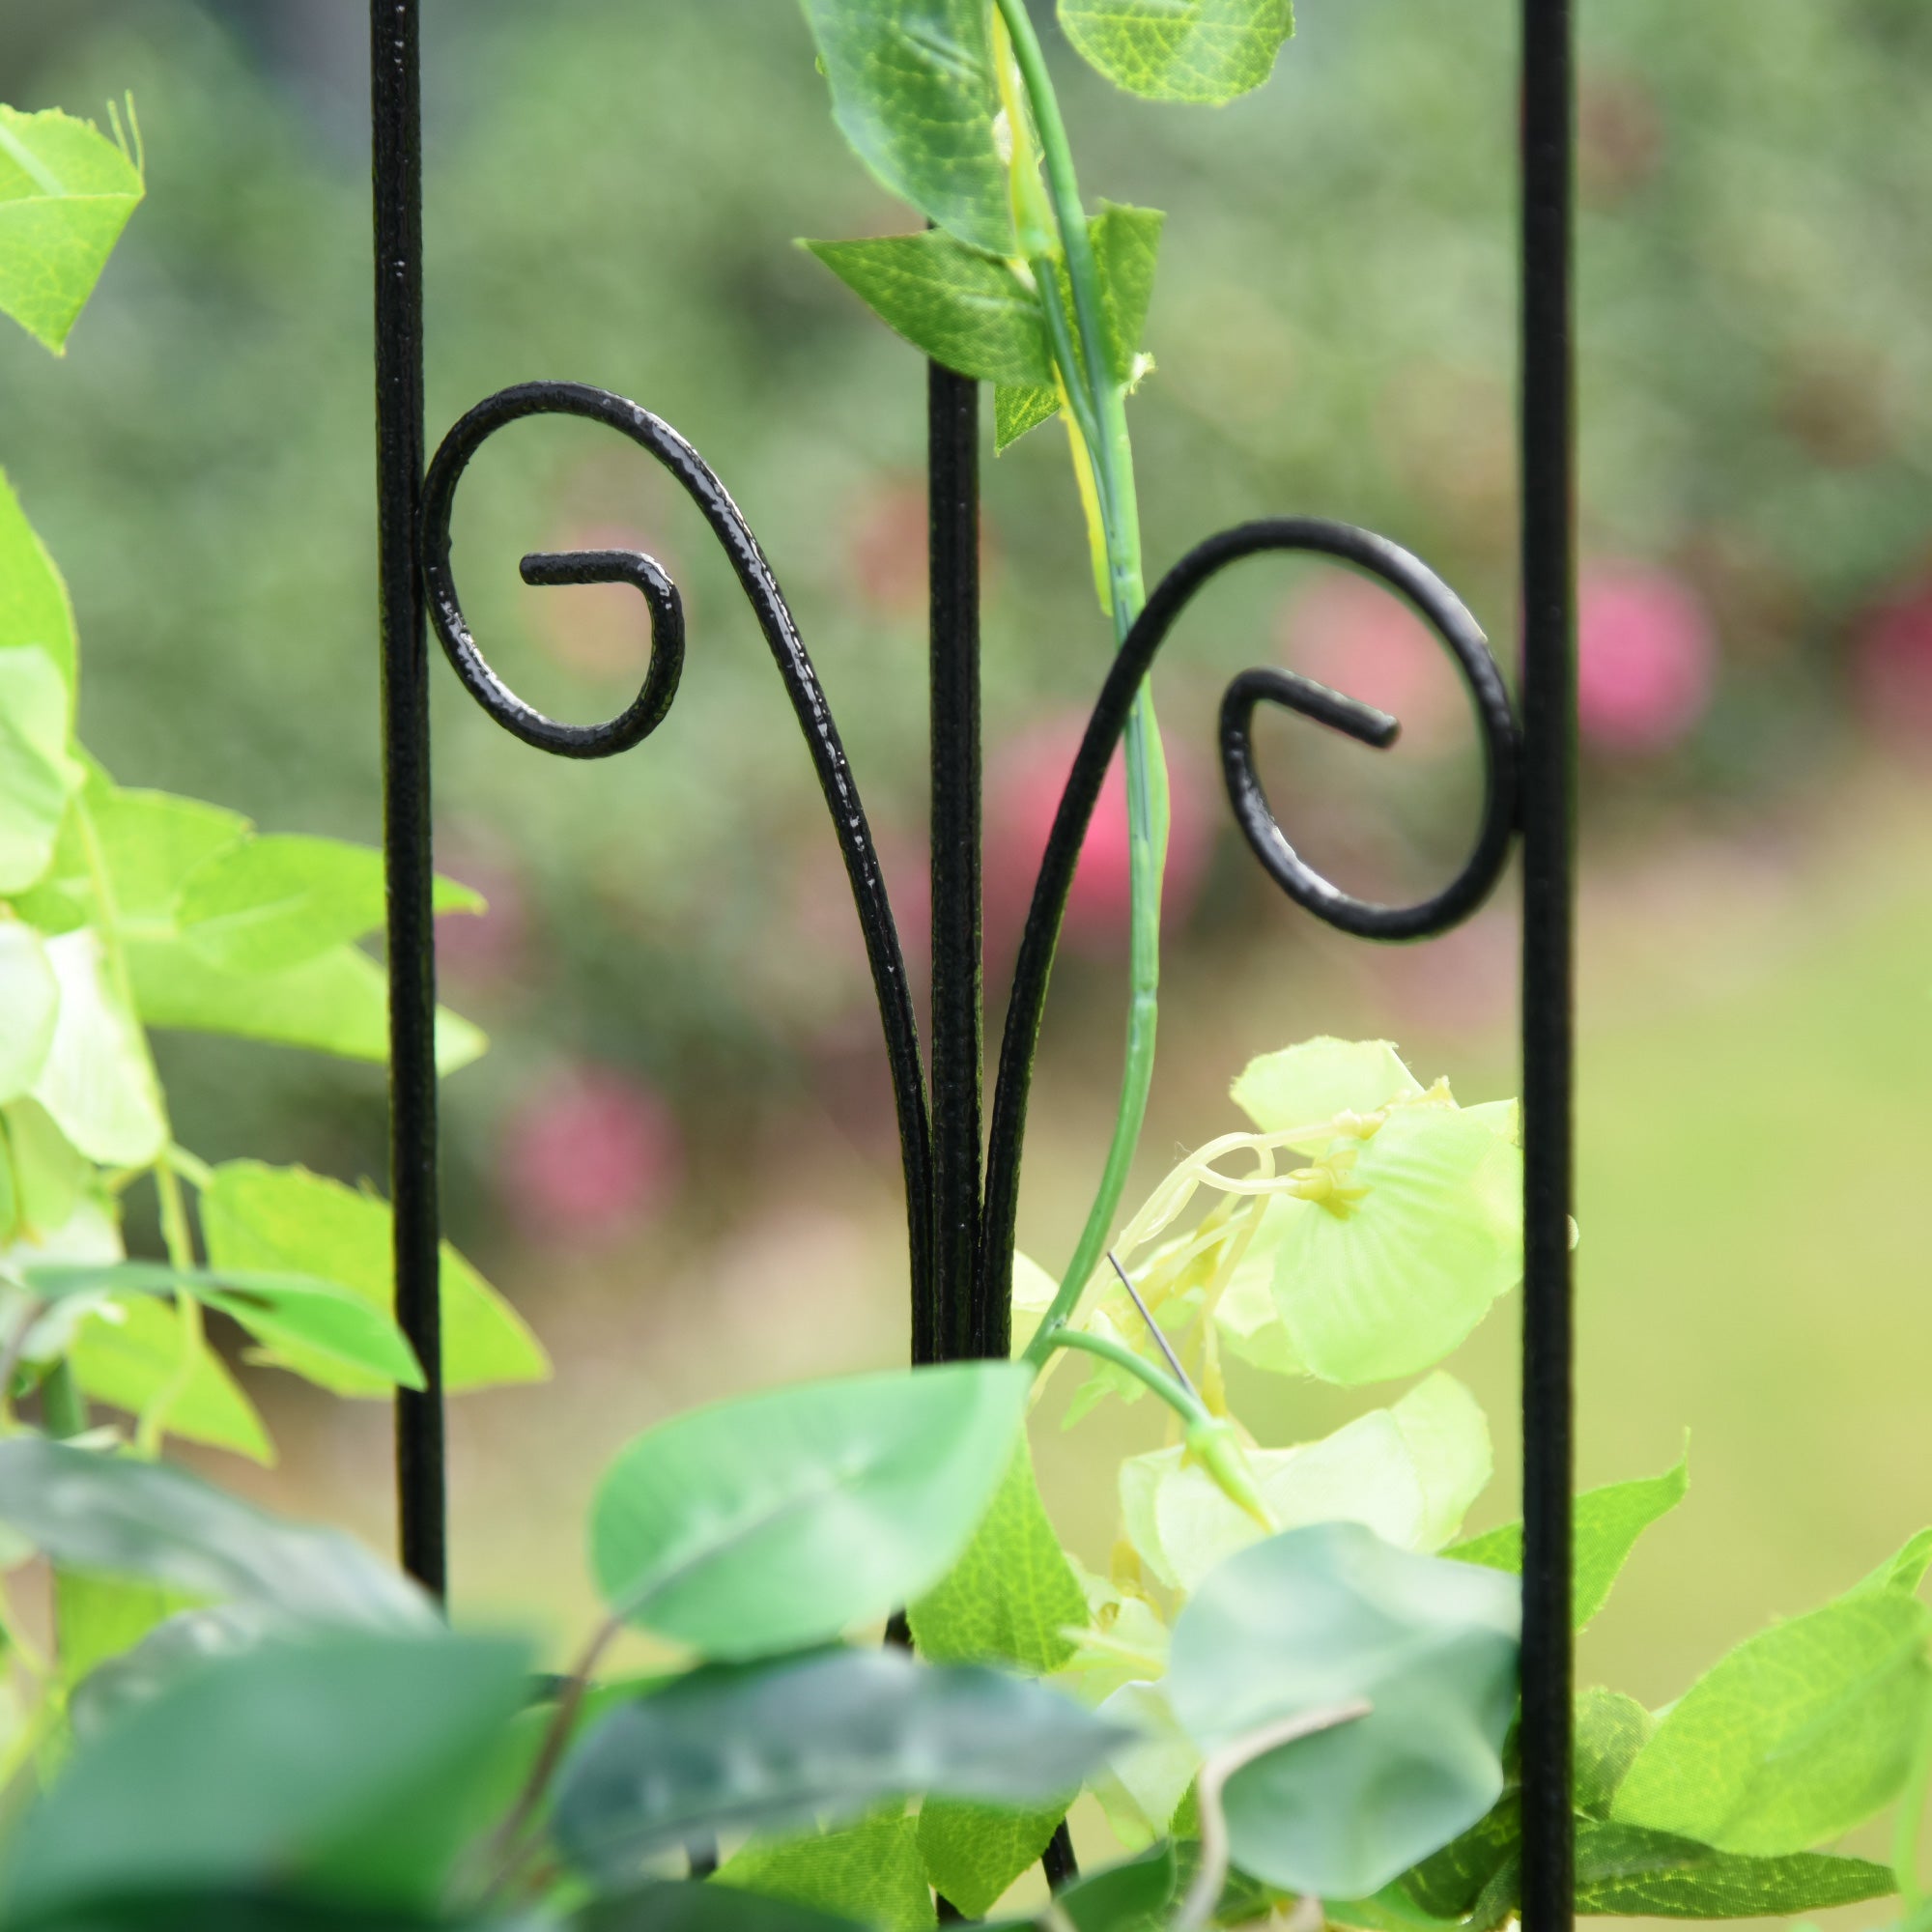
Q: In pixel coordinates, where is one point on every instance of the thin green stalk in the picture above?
(1182, 1400)
(1100, 419)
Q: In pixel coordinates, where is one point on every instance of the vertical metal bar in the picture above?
(395, 98)
(960, 1321)
(1549, 829)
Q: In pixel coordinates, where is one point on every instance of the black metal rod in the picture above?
(1549, 832)
(959, 1319)
(395, 100)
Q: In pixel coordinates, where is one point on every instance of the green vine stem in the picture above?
(1099, 422)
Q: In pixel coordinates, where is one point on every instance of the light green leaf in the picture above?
(34, 605)
(335, 1004)
(96, 1618)
(1199, 50)
(1321, 1616)
(1387, 1284)
(113, 1515)
(48, 1172)
(870, 1873)
(1127, 244)
(914, 91)
(128, 1354)
(29, 998)
(1638, 1874)
(97, 1084)
(37, 775)
(968, 310)
(285, 1220)
(1802, 1732)
(1611, 1729)
(777, 1520)
(1904, 1571)
(297, 1312)
(1246, 1319)
(1408, 1473)
(827, 1735)
(1018, 408)
(1604, 1527)
(1144, 1782)
(66, 193)
(1012, 1595)
(271, 904)
(152, 841)
(200, 1786)
(972, 1853)
(1307, 1086)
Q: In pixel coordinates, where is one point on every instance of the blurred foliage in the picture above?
(613, 191)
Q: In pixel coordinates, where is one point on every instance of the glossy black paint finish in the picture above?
(395, 98)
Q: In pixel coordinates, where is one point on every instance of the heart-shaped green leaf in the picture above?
(66, 193)
(1321, 1617)
(117, 1516)
(1200, 51)
(826, 1736)
(778, 1520)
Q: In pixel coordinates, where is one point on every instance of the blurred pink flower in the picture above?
(1892, 665)
(1648, 659)
(1024, 779)
(1357, 637)
(586, 1154)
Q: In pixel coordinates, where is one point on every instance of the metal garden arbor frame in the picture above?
(960, 1207)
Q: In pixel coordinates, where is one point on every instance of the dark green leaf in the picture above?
(870, 1871)
(332, 1758)
(914, 91)
(260, 1912)
(1201, 50)
(297, 1312)
(826, 1736)
(777, 1521)
(1322, 1616)
(1605, 1528)
(183, 1643)
(682, 1906)
(114, 1516)
(1448, 1882)
(1020, 408)
(1126, 243)
(968, 310)
(282, 1220)
(1632, 1873)
(66, 193)
(1135, 1897)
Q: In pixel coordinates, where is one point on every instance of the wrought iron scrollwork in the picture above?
(647, 710)
(1459, 631)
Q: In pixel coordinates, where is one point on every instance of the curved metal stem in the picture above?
(635, 724)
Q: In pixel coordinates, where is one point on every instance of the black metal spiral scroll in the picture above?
(1451, 622)
(647, 710)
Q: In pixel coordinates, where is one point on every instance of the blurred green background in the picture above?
(678, 1156)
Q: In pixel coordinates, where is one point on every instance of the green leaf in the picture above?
(34, 605)
(271, 904)
(1133, 1896)
(686, 1905)
(1904, 1571)
(1476, 1874)
(37, 775)
(29, 998)
(914, 91)
(972, 1853)
(825, 1736)
(66, 193)
(96, 1618)
(257, 1910)
(111, 1516)
(1408, 1472)
(1604, 1527)
(870, 1871)
(97, 1083)
(48, 1172)
(968, 310)
(180, 1642)
(285, 1220)
(335, 1004)
(295, 1312)
(1127, 244)
(1018, 408)
(130, 1354)
(1012, 1595)
(1387, 1284)
(1199, 50)
(1638, 1874)
(1308, 1084)
(152, 841)
(1802, 1732)
(776, 1521)
(318, 1760)
(1322, 1616)
(1611, 1729)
